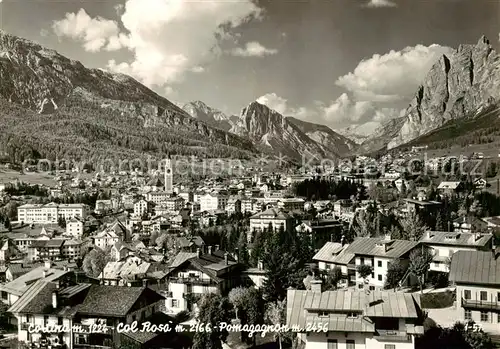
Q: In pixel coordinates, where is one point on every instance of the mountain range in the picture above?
(90, 113)
(54, 107)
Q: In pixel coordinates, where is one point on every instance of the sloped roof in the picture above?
(456, 239)
(271, 212)
(475, 267)
(304, 307)
(328, 252)
(114, 300)
(22, 283)
(369, 247)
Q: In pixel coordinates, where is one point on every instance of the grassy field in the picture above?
(7, 176)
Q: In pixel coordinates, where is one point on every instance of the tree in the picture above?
(253, 308)
(364, 270)
(237, 298)
(395, 272)
(333, 278)
(94, 262)
(169, 243)
(61, 222)
(3, 315)
(420, 262)
(243, 248)
(364, 224)
(459, 336)
(440, 226)
(413, 227)
(276, 315)
(213, 310)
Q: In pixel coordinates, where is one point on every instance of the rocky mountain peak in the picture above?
(456, 86)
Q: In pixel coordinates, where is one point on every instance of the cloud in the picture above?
(380, 3)
(155, 32)
(93, 32)
(253, 49)
(198, 69)
(273, 101)
(393, 76)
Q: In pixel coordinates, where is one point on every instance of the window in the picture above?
(468, 315)
(332, 344)
(390, 346)
(484, 316)
(362, 260)
(59, 321)
(467, 294)
(175, 303)
(498, 297)
(327, 266)
(360, 286)
(373, 275)
(498, 318)
(379, 277)
(372, 288)
(350, 344)
(379, 263)
(484, 295)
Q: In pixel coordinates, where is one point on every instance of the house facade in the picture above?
(476, 277)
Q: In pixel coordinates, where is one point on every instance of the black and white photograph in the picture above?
(249, 174)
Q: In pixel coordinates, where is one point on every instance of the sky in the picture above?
(342, 63)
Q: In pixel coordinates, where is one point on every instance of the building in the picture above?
(111, 235)
(476, 275)
(8, 251)
(291, 204)
(194, 274)
(212, 202)
(321, 231)
(103, 206)
(142, 207)
(50, 213)
(271, 217)
(233, 205)
(158, 197)
(444, 244)
(354, 319)
(80, 307)
(378, 253)
(169, 186)
(74, 227)
(450, 188)
(174, 204)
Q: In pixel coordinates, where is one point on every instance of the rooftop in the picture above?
(475, 267)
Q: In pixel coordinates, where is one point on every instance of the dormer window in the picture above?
(352, 315)
(323, 314)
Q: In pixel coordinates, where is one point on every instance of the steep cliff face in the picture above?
(457, 86)
(199, 110)
(44, 81)
(270, 129)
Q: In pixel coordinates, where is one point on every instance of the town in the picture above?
(383, 253)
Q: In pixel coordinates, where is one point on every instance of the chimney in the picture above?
(342, 240)
(317, 285)
(429, 235)
(260, 265)
(47, 264)
(198, 252)
(144, 282)
(216, 247)
(449, 226)
(54, 300)
(209, 249)
(331, 237)
(44, 273)
(387, 237)
(226, 258)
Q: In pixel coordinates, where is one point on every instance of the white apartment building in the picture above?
(158, 197)
(378, 253)
(271, 217)
(74, 227)
(50, 213)
(291, 204)
(444, 244)
(212, 202)
(141, 207)
(174, 204)
(354, 319)
(476, 277)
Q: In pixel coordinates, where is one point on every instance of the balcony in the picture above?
(486, 305)
(392, 335)
(192, 281)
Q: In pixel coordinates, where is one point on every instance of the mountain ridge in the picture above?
(458, 85)
(45, 82)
